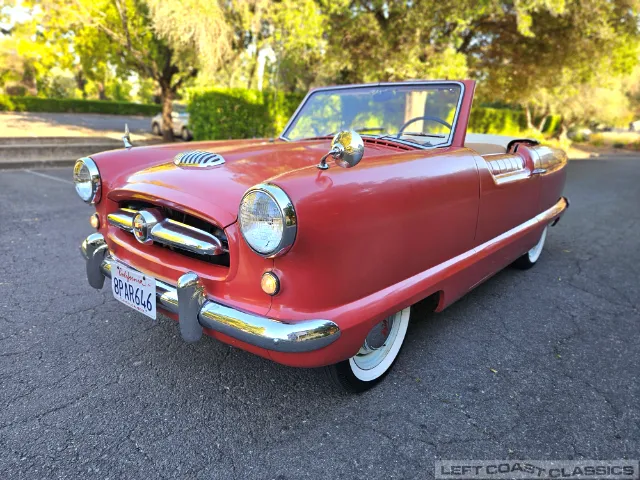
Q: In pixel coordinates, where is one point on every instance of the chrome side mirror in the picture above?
(347, 148)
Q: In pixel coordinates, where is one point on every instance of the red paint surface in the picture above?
(372, 240)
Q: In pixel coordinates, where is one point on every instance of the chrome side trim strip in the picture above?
(176, 234)
(552, 213)
(195, 311)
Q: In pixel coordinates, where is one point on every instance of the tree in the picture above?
(540, 58)
(167, 42)
(523, 52)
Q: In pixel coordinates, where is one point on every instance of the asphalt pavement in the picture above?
(539, 364)
(92, 121)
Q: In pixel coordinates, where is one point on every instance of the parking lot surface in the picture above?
(539, 364)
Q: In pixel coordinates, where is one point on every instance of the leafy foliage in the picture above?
(222, 114)
(6, 104)
(546, 57)
(66, 105)
(496, 120)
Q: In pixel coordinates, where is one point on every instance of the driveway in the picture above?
(541, 364)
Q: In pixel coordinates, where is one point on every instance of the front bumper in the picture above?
(195, 311)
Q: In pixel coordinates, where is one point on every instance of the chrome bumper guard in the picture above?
(195, 311)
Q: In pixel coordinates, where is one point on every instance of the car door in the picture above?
(509, 193)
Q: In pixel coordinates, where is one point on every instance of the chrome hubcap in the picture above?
(378, 343)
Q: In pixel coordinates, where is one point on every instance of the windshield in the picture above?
(422, 114)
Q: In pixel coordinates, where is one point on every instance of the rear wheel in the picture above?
(530, 258)
(155, 128)
(185, 134)
(376, 356)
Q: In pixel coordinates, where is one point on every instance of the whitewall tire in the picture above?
(530, 258)
(376, 356)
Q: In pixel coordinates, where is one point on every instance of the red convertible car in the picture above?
(310, 249)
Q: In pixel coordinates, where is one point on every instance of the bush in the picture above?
(281, 106)
(6, 105)
(66, 105)
(221, 114)
(497, 121)
(597, 140)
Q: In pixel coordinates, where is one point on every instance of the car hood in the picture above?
(213, 192)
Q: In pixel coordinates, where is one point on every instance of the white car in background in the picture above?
(180, 119)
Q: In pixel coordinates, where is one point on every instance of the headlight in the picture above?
(267, 220)
(86, 178)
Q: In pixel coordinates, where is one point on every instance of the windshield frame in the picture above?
(444, 83)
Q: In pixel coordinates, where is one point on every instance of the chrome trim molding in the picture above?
(506, 167)
(123, 219)
(96, 183)
(198, 159)
(143, 224)
(268, 333)
(548, 159)
(195, 311)
(166, 231)
(554, 212)
(94, 249)
(126, 138)
(288, 213)
(454, 124)
(191, 297)
(176, 234)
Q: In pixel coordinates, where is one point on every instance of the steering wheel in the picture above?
(424, 117)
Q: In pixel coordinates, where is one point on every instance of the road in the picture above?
(541, 364)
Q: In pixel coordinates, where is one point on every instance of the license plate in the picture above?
(134, 289)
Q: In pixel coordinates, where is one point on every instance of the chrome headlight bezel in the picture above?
(94, 179)
(287, 212)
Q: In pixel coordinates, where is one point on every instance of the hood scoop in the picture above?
(198, 159)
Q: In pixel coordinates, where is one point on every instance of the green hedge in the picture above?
(220, 114)
(6, 104)
(497, 120)
(67, 105)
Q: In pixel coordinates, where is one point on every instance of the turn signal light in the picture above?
(270, 283)
(94, 220)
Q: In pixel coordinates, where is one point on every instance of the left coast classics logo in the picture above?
(538, 469)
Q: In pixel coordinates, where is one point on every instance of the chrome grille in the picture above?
(177, 231)
(198, 158)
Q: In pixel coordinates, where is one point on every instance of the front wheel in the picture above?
(530, 258)
(185, 134)
(376, 356)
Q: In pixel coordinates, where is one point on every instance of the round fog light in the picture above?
(94, 220)
(270, 283)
